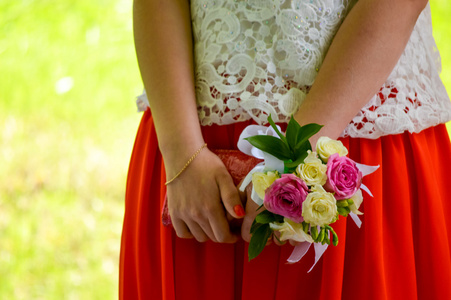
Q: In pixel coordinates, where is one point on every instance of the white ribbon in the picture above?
(356, 219)
(298, 252)
(319, 251)
(365, 169)
(270, 163)
(251, 130)
(366, 189)
(301, 249)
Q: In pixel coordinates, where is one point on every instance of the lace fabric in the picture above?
(413, 97)
(259, 57)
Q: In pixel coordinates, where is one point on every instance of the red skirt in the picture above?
(402, 250)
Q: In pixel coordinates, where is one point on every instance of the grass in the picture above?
(67, 124)
(441, 10)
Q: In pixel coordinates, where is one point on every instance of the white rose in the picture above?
(312, 171)
(320, 207)
(262, 181)
(358, 199)
(290, 230)
(326, 147)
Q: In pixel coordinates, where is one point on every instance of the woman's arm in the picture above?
(163, 39)
(362, 55)
(164, 49)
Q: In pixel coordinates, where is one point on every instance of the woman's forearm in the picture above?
(360, 58)
(163, 39)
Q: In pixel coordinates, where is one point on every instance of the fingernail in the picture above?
(238, 209)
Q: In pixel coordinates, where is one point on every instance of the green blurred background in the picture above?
(68, 77)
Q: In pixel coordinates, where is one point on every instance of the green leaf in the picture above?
(265, 217)
(279, 218)
(305, 133)
(310, 129)
(271, 145)
(255, 226)
(302, 148)
(300, 155)
(293, 130)
(258, 241)
(280, 134)
(297, 162)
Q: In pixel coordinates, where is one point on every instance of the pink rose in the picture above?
(343, 177)
(285, 196)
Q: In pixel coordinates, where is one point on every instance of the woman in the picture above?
(377, 87)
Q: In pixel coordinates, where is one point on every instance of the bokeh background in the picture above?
(68, 78)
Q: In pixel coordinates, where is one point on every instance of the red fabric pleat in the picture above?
(402, 250)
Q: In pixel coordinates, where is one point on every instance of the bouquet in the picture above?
(303, 192)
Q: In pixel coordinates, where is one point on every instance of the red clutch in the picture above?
(237, 163)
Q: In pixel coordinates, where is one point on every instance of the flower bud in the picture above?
(321, 236)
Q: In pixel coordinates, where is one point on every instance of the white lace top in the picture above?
(259, 57)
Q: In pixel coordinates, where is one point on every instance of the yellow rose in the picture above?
(320, 207)
(262, 181)
(326, 147)
(312, 171)
(290, 230)
(358, 199)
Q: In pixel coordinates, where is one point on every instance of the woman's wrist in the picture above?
(178, 151)
(190, 160)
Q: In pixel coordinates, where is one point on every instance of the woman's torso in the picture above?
(259, 57)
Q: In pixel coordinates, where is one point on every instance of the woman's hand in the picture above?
(251, 212)
(200, 198)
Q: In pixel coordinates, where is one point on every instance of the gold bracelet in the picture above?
(187, 164)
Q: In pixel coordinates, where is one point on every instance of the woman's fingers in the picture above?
(251, 213)
(193, 225)
(276, 239)
(230, 196)
(202, 220)
(222, 231)
(199, 233)
(181, 229)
